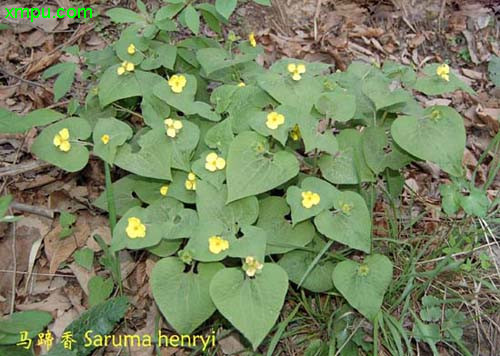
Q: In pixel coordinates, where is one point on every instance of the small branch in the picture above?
(16, 169)
(37, 210)
(15, 76)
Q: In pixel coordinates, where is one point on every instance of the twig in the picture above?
(37, 210)
(14, 262)
(38, 274)
(16, 169)
(22, 79)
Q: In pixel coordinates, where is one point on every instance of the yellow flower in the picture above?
(177, 83)
(443, 71)
(295, 133)
(135, 228)
(241, 84)
(61, 140)
(125, 67)
(274, 120)
(164, 189)
(309, 199)
(105, 139)
(252, 266)
(251, 39)
(172, 127)
(129, 66)
(190, 182)
(346, 208)
(213, 162)
(296, 70)
(131, 49)
(217, 244)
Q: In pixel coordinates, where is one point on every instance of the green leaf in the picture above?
(476, 203)
(451, 198)
(252, 305)
(114, 87)
(263, 2)
(251, 171)
(347, 166)
(375, 144)
(428, 333)
(494, 70)
(101, 319)
(152, 160)
(217, 218)
(296, 264)
(313, 138)
(258, 123)
(281, 236)
(73, 160)
(378, 90)
(301, 94)
(84, 257)
(118, 133)
(152, 236)
(165, 248)
(349, 224)
(183, 297)
(214, 59)
(220, 136)
(123, 190)
(326, 191)
(5, 201)
(438, 136)
(192, 18)
(32, 321)
(121, 15)
(364, 285)
(338, 105)
(10, 122)
(225, 7)
(66, 76)
(431, 84)
(99, 289)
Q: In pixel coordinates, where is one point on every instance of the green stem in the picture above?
(112, 221)
(110, 198)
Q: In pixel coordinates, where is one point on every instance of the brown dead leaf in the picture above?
(55, 301)
(62, 320)
(82, 275)
(489, 116)
(58, 250)
(28, 230)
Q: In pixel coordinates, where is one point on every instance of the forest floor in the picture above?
(463, 33)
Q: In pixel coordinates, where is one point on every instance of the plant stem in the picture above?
(112, 221)
(110, 198)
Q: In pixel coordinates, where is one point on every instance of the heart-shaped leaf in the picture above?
(252, 170)
(347, 166)
(363, 285)
(281, 235)
(375, 142)
(252, 305)
(296, 264)
(326, 191)
(183, 298)
(349, 224)
(431, 84)
(77, 156)
(108, 135)
(338, 105)
(152, 160)
(438, 136)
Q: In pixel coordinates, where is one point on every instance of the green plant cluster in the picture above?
(242, 177)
